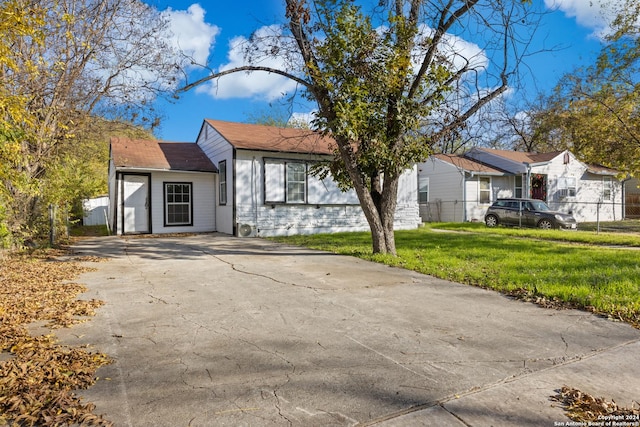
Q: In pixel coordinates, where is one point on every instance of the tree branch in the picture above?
(246, 68)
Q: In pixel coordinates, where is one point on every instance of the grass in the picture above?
(543, 266)
(89, 231)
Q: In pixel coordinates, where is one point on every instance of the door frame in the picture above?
(120, 179)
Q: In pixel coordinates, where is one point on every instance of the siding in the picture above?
(446, 193)
(450, 191)
(327, 210)
(203, 194)
(218, 149)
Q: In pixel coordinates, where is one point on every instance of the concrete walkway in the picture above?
(211, 330)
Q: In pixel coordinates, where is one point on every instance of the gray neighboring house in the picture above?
(459, 188)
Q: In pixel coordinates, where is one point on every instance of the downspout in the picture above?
(254, 191)
(464, 195)
(528, 181)
(234, 219)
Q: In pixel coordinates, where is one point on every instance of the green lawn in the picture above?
(557, 268)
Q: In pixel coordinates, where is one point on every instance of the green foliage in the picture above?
(60, 60)
(594, 111)
(366, 73)
(391, 84)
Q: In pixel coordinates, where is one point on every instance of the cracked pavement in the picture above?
(211, 330)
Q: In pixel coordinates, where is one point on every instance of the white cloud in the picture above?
(594, 14)
(190, 33)
(265, 43)
(267, 48)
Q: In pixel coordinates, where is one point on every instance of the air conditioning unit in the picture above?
(563, 193)
(245, 230)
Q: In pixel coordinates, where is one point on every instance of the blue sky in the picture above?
(569, 32)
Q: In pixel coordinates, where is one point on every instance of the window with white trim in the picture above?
(178, 203)
(423, 189)
(518, 187)
(484, 189)
(296, 179)
(607, 187)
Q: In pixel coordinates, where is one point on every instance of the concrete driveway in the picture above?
(211, 330)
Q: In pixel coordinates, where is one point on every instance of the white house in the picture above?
(160, 187)
(460, 188)
(250, 180)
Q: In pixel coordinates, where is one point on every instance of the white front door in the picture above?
(135, 192)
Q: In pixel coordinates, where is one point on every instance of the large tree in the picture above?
(393, 82)
(595, 110)
(78, 59)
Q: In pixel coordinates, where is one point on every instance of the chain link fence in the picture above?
(461, 210)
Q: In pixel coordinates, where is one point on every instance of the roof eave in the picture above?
(146, 169)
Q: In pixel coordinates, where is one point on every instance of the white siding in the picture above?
(327, 209)
(203, 192)
(218, 149)
(589, 205)
(589, 188)
(446, 191)
(449, 189)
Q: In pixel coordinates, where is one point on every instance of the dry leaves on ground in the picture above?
(581, 406)
(38, 376)
(627, 315)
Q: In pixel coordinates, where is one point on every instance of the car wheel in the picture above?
(491, 220)
(545, 224)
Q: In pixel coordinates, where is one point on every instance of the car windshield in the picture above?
(540, 206)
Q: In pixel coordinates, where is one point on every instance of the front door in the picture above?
(135, 211)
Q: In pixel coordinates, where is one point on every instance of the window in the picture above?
(296, 179)
(567, 186)
(518, 187)
(178, 206)
(285, 181)
(607, 185)
(423, 189)
(485, 190)
(222, 177)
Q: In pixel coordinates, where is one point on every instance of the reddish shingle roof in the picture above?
(601, 170)
(468, 164)
(271, 138)
(146, 154)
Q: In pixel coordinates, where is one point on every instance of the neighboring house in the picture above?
(252, 180)
(461, 187)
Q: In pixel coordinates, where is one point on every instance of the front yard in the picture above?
(595, 272)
